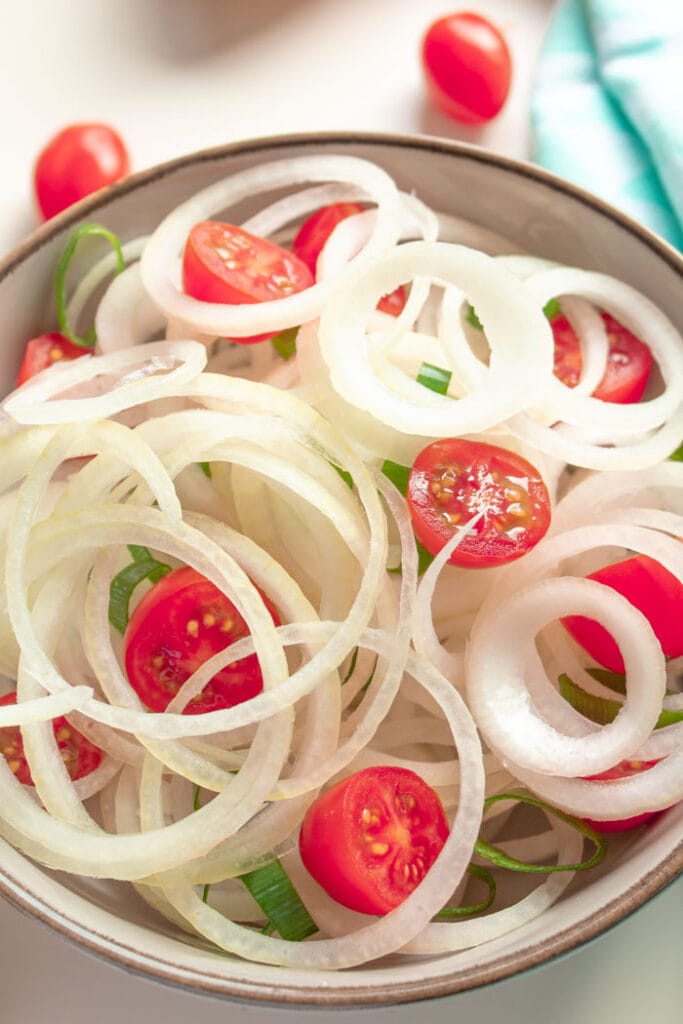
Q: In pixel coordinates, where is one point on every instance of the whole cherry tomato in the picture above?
(224, 263)
(649, 587)
(178, 625)
(454, 479)
(79, 160)
(80, 756)
(370, 839)
(467, 65)
(45, 350)
(629, 361)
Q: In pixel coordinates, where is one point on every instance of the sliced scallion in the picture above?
(448, 913)
(502, 860)
(435, 378)
(84, 231)
(143, 567)
(602, 710)
(272, 889)
(397, 474)
(205, 468)
(284, 343)
(551, 309)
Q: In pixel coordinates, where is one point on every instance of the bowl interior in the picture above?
(543, 216)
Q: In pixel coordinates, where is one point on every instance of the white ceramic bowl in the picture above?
(544, 215)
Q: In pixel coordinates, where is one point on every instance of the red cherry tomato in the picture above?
(649, 587)
(629, 361)
(79, 160)
(369, 840)
(315, 231)
(451, 480)
(180, 623)
(80, 756)
(224, 263)
(45, 350)
(468, 67)
(622, 771)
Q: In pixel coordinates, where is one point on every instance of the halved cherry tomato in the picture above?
(80, 756)
(622, 771)
(224, 263)
(451, 480)
(45, 350)
(180, 623)
(629, 361)
(468, 68)
(315, 231)
(79, 160)
(370, 839)
(649, 587)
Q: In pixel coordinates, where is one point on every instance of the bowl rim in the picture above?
(388, 993)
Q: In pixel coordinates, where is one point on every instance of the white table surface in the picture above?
(178, 75)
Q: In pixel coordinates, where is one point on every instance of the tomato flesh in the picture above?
(452, 480)
(180, 623)
(372, 838)
(313, 234)
(467, 67)
(45, 350)
(79, 160)
(621, 771)
(80, 756)
(223, 263)
(629, 361)
(649, 587)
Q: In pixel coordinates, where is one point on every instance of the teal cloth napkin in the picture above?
(607, 106)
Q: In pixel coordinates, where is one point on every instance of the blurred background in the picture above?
(174, 76)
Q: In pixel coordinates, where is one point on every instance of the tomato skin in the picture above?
(453, 479)
(313, 235)
(622, 771)
(181, 622)
(361, 838)
(629, 361)
(78, 160)
(223, 263)
(80, 756)
(649, 587)
(467, 67)
(45, 350)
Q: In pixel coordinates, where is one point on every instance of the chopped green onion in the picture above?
(84, 231)
(205, 468)
(144, 566)
(195, 803)
(272, 889)
(435, 378)
(602, 710)
(284, 343)
(397, 474)
(501, 859)
(612, 680)
(677, 456)
(345, 475)
(477, 908)
(352, 666)
(205, 892)
(551, 309)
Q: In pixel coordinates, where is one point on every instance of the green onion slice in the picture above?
(551, 309)
(677, 456)
(397, 474)
(280, 902)
(501, 859)
(143, 567)
(435, 378)
(284, 343)
(352, 666)
(601, 709)
(448, 913)
(84, 231)
(205, 468)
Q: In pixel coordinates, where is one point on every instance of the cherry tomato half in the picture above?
(621, 771)
(224, 263)
(467, 66)
(369, 840)
(313, 234)
(451, 480)
(181, 622)
(629, 361)
(649, 587)
(80, 756)
(45, 350)
(79, 160)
